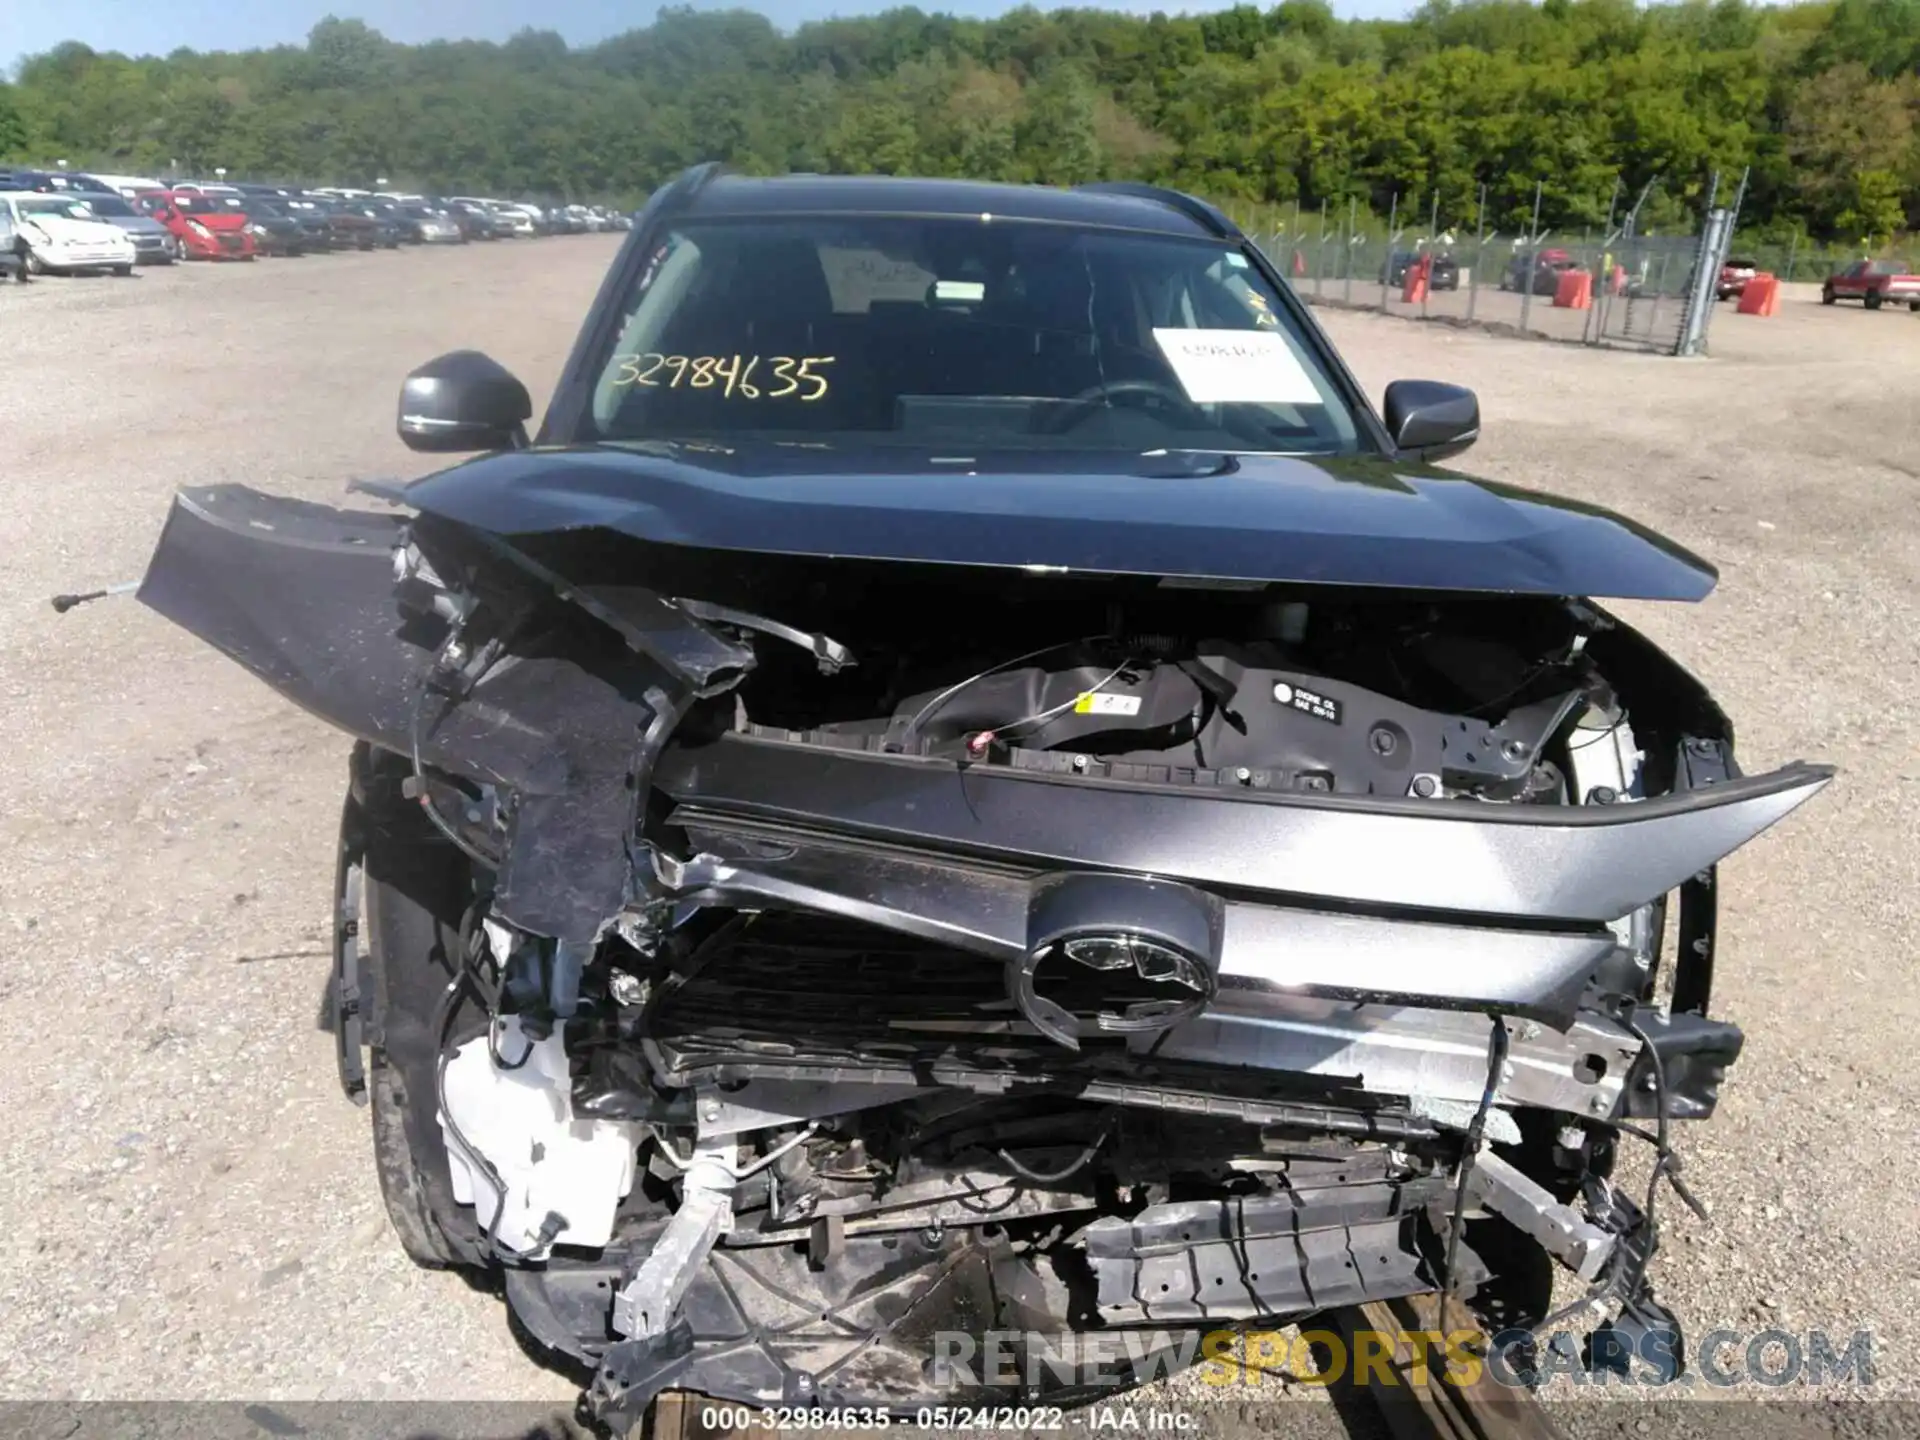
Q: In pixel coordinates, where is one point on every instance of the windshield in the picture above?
(206, 204)
(999, 334)
(101, 206)
(71, 206)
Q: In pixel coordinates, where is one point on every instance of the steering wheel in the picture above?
(1073, 409)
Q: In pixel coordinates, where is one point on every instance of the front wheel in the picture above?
(1873, 299)
(35, 265)
(414, 888)
(123, 271)
(1827, 296)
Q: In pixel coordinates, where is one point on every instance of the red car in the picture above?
(202, 226)
(1874, 282)
(1734, 276)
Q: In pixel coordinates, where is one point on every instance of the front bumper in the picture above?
(85, 257)
(222, 245)
(1408, 902)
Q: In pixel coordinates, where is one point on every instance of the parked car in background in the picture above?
(429, 224)
(476, 222)
(75, 181)
(389, 232)
(1539, 272)
(1445, 274)
(153, 244)
(274, 230)
(204, 226)
(1873, 282)
(347, 228)
(22, 181)
(126, 186)
(517, 221)
(501, 224)
(1734, 276)
(63, 238)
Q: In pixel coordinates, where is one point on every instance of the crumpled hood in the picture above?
(65, 228)
(1255, 518)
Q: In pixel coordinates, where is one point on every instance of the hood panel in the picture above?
(84, 232)
(137, 224)
(1360, 521)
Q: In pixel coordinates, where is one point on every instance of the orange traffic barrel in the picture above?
(1760, 296)
(1414, 290)
(1574, 292)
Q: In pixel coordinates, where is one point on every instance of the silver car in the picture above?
(152, 243)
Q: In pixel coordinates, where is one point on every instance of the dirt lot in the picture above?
(190, 1209)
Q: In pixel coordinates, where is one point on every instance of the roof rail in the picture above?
(1190, 206)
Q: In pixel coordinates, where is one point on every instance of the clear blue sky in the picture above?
(155, 27)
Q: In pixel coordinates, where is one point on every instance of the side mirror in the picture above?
(1430, 420)
(463, 400)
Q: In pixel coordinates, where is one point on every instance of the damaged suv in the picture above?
(966, 779)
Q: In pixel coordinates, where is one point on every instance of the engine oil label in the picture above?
(1096, 704)
(1307, 702)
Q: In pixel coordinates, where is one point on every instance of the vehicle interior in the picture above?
(937, 329)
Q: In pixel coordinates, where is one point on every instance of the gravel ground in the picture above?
(190, 1208)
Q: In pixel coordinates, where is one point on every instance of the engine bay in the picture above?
(775, 962)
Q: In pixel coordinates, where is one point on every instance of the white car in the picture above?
(521, 217)
(127, 185)
(64, 237)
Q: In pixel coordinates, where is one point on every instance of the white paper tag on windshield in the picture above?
(1243, 367)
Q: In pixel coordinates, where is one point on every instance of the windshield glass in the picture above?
(72, 206)
(101, 206)
(1002, 334)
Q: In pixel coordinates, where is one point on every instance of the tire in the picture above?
(415, 885)
(1827, 297)
(1873, 299)
(123, 271)
(35, 265)
(1914, 305)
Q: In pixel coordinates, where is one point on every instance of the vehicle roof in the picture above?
(877, 195)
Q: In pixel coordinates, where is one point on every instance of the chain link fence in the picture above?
(1613, 285)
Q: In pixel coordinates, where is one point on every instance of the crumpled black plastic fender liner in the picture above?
(302, 596)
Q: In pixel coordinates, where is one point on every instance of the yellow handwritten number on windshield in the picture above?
(796, 376)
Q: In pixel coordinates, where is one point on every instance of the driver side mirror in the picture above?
(463, 400)
(1430, 420)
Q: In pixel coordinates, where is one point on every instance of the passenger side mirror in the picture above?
(463, 400)
(1430, 420)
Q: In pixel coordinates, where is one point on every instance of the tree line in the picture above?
(1458, 106)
